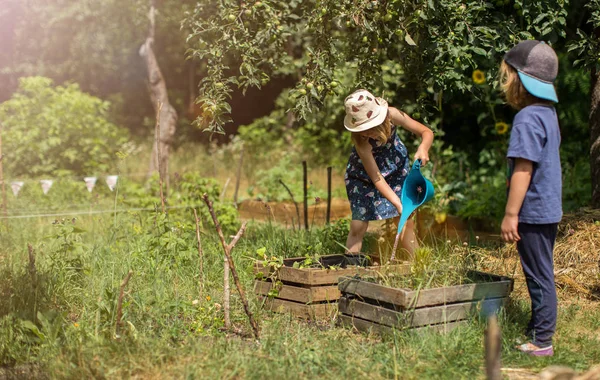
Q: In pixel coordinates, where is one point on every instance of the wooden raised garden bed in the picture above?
(369, 306)
(312, 293)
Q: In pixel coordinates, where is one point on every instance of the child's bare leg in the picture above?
(409, 239)
(355, 236)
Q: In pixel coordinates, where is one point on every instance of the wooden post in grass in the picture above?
(2, 176)
(238, 177)
(493, 347)
(295, 203)
(328, 215)
(34, 279)
(120, 302)
(222, 196)
(305, 174)
(201, 281)
(228, 248)
(158, 151)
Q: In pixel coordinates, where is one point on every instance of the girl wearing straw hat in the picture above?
(378, 165)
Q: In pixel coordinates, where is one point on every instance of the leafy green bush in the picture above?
(57, 130)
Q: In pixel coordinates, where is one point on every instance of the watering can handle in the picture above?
(417, 164)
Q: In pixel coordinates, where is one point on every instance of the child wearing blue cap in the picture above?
(378, 166)
(534, 205)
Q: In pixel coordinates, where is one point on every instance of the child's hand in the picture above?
(423, 155)
(510, 233)
(399, 208)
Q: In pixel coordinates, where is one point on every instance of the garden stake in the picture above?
(295, 203)
(120, 302)
(222, 196)
(238, 177)
(201, 281)
(228, 248)
(34, 280)
(493, 349)
(328, 215)
(304, 170)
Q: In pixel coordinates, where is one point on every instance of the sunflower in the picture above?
(501, 127)
(478, 77)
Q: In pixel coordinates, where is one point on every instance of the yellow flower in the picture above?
(501, 127)
(478, 77)
(440, 217)
(76, 324)
(208, 298)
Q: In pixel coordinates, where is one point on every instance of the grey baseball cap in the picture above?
(537, 65)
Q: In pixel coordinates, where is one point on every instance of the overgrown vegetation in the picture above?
(59, 311)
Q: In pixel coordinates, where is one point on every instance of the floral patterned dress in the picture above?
(366, 202)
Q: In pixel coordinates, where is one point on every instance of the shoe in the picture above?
(533, 350)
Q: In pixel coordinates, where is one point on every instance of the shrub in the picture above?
(57, 130)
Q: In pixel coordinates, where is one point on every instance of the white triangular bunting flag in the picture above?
(16, 187)
(90, 182)
(111, 181)
(46, 185)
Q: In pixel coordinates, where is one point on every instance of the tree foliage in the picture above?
(438, 43)
(58, 130)
(95, 44)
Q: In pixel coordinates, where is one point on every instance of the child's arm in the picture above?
(406, 122)
(365, 152)
(519, 183)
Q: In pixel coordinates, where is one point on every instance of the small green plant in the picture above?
(442, 265)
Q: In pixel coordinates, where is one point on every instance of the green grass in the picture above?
(173, 326)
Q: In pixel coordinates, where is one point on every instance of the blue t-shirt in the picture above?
(535, 136)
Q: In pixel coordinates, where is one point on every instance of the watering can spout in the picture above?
(416, 191)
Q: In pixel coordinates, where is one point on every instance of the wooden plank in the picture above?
(368, 290)
(368, 326)
(324, 294)
(330, 276)
(319, 276)
(292, 293)
(458, 293)
(417, 317)
(408, 299)
(299, 294)
(286, 274)
(364, 325)
(312, 312)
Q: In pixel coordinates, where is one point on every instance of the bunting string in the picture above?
(94, 212)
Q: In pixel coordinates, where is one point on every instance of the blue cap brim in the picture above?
(537, 88)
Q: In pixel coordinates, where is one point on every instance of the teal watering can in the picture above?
(416, 191)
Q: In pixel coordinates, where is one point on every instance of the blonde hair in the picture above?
(383, 131)
(516, 95)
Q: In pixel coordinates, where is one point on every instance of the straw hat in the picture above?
(364, 111)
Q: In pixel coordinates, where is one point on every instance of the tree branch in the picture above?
(200, 255)
(227, 249)
(120, 301)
